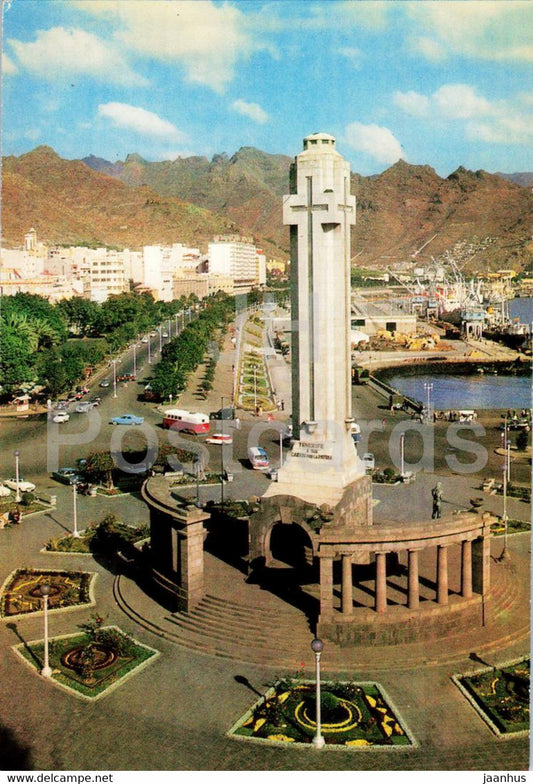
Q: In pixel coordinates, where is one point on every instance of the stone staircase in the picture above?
(251, 625)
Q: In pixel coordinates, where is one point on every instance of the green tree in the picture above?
(99, 468)
(16, 360)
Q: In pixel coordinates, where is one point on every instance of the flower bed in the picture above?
(500, 696)
(353, 715)
(513, 527)
(97, 537)
(21, 593)
(113, 658)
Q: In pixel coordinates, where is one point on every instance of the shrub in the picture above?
(522, 440)
(27, 499)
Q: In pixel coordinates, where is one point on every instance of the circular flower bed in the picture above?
(21, 592)
(91, 663)
(352, 714)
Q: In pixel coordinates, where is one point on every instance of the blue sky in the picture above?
(433, 82)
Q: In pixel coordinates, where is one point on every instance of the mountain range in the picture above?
(406, 212)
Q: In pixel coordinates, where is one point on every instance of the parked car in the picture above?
(95, 401)
(219, 438)
(4, 491)
(127, 419)
(105, 383)
(368, 461)
(164, 334)
(83, 408)
(223, 413)
(23, 486)
(67, 476)
(61, 416)
(144, 340)
(61, 405)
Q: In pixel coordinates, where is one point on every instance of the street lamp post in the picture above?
(17, 455)
(255, 390)
(198, 481)
(280, 448)
(169, 332)
(222, 451)
(160, 339)
(75, 532)
(402, 454)
(428, 386)
(46, 671)
(149, 350)
(505, 554)
(114, 362)
(317, 646)
(135, 359)
(176, 322)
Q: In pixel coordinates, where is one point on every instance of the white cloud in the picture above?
(460, 102)
(499, 122)
(251, 110)
(353, 54)
(374, 140)
(139, 120)
(509, 129)
(412, 103)
(8, 66)
(429, 48)
(364, 13)
(486, 30)
(208, 40)
(60, 53)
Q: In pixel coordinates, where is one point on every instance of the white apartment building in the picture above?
(236, 257)
(102, 274)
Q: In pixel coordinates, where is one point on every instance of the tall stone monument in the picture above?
(323, 461)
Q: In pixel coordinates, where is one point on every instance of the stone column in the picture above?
(442, 574)
(381, 582)
(481, 565)
(326, 587)
(413, 585)
(347, 587)
(466, 569)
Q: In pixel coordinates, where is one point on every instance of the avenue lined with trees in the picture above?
(53, 345)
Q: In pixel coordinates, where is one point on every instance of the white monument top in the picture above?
(319, 141)
(320, 211)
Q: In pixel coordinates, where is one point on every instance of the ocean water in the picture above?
(522, 309)
(477, 391)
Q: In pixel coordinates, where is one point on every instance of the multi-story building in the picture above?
(238, 258)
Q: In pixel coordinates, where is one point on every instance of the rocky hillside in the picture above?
(68, 203)
(245, 188)
(483, 219)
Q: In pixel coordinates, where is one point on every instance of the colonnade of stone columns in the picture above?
(473, 570)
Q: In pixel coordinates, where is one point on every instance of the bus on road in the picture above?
(187, 421)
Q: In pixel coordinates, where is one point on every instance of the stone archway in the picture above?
(289, 545)
(284, 553)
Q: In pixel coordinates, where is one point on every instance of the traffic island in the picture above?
(21, 593)
(353, 716)
(92, 663)
(500, 695)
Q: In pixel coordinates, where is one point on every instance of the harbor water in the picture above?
(465, 392)
(521, 308)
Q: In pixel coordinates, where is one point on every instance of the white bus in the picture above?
(188, 421)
